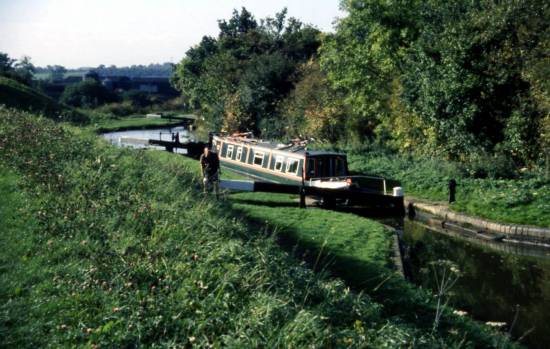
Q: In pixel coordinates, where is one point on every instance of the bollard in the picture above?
(452, 191)
(302, 197)
(397, 191)
(411, 211)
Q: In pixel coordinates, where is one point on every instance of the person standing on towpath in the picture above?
(210, 170)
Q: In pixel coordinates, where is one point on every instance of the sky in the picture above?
(77, 33)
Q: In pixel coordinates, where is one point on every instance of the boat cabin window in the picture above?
(229, 153)
(292, 165)
(340, 167)
(310, 167)
(239, 153)
(326, 166)
(321, 168)
(279, 163)
(258, 158)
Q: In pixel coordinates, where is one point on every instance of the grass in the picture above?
(354, 247)
(350, 246)
(344, 245)
(46, 76)
(522, 201)
(124, 251)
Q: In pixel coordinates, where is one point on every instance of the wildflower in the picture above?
(191, 339)
(116, 309)
(495, 324)
(201, 285)
(460, 312)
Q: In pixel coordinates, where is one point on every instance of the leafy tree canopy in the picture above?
(87, 94)
(21, 70)
(238, 78)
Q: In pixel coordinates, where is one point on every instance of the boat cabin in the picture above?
(283, 163)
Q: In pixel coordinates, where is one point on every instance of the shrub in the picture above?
(136, 98)
(118, 109)
(87, 94)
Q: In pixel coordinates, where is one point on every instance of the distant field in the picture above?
(45, 76)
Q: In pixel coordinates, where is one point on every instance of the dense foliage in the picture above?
(453, 78)
(237, 79)
(461, 80)
(522, 200)
(21, 70)
(89, 93)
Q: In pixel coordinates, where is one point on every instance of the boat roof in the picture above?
(294, 147)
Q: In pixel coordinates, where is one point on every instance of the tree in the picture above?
(237, 79)
(87, 94)
(137, 98)
(6, 64)
(57, 72)
(465, 76)
(21, 70)
(313, 109)
(363, 58)
(25, 70)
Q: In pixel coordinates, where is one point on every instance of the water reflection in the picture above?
(494, 281)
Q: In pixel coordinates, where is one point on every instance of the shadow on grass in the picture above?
(383, 285)
(367, 212)
(263, 203)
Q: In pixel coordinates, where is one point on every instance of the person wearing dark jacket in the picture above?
(210, 170)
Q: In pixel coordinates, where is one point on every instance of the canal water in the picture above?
(129, 138)
(500, 282)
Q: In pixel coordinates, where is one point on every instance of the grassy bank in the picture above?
(523, 201)
(350, 246)
(344, 245)
(132, 123)
(17, 95)
(125, 252)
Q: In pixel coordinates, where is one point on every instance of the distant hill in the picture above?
(19, 96)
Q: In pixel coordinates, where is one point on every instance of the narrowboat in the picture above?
(292, 168)
(288, 163)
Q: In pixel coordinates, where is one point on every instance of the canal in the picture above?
(128, 138)
(500, 282)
